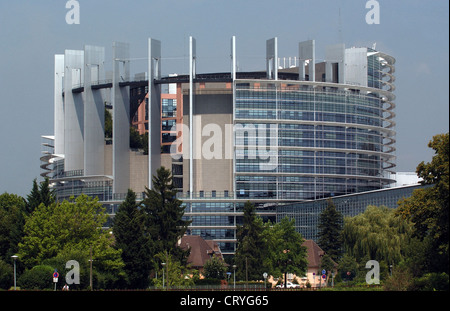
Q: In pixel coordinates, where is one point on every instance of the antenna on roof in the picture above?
(340, 27)
(374, 46)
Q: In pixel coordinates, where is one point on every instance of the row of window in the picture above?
(314, 107)
(210, 207)
(213, 221)
(261, 133)
(209, 234)
(248, 179)
(303, 195)
(308, 116)
(308, 96)
(350, 160)
(257, 128)
(292, 142)
(300, 169)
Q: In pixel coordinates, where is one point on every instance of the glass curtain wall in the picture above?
(319, 141)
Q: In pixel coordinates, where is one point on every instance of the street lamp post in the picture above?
(15, 258)
(265, 278)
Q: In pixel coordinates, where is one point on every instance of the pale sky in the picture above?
(415, 32)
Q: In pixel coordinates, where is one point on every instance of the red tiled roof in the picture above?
(201, 250)
(315, 253)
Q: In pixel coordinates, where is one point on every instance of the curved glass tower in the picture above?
(304, 140)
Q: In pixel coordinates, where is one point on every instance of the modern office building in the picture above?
(306, 214)
(274, 137)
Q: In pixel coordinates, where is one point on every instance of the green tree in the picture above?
(327, 264)
(288, 255)
(250, 246)
(348, 268)
(34, 198)
(6, 275)
(377, 234)
(163, 217)
(175, 274)
(47, 196)
(39, 194)
(215, 268)
(70, 226)
(428, 208)
(135, 139)
(330, 229)
(129, 234)
(12, 209)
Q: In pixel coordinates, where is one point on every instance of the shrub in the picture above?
(6, 275)
(37, 278)
(432, 281)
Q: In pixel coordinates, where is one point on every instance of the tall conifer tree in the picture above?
(250, 245)
(330, 229)
(129, 234)
(163, 215)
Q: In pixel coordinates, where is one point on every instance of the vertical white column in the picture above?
(306, 51)
(73, 110)
(59, 105)
(336, 54)
(192, 59)
(233, 58)
(233, 85)
(154, 108)
(120, 99)
(312, 65)
(94, 111)
(272, 58)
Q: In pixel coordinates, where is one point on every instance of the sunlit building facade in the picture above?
(274, 137)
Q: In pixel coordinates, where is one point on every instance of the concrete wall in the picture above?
(138, 171)
(108, 160)
(213, 168)
(356, 66)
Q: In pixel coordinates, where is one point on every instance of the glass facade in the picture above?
(217, 220)
(306, 214)
(302, 142)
